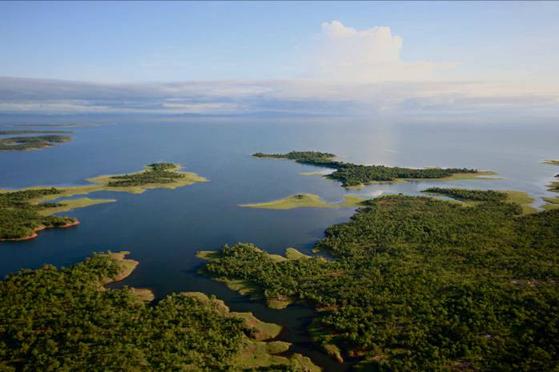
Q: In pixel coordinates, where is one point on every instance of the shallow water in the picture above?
(164, 228)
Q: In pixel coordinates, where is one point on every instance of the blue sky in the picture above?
(405, 58)
(180, 41)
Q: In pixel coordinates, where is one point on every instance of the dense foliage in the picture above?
(323, 159)
(353, 174)
(154, 173)
(31, 142)
(470, 195)
(20, 217)
(61, 319)
(418, 283)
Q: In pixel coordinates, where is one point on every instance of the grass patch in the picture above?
(70, 204)
(261, 355)
(294, 254)
(256, 352)
(125, 266)
(488, 175)
(523, 199)
(143, 294)
(305, 200)
(552, 203)
(474, 197)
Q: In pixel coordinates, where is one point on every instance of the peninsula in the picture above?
(25, 212)
(356, 175)
(418, 283)
(67, 319)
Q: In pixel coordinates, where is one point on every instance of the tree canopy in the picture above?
(417, 283)
(354, 174)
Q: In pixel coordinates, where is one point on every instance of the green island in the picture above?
(25, 212)
(351, 175)
(551, 162)
(304, 200)
(66, 319)
(419, 283)
(45, 138)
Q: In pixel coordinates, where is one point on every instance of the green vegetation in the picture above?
(20, 218)
(25, 212)
(154, 176)
(154, 173)
(66, 205)
(552, 203)
(306, 201)
(521, 198)
(469, 195)
(418, 283)
(354, 175)
(553, 186)
(64, 319)
(473, 196)
(21, 143)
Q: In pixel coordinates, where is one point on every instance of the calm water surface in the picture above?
(164, 228)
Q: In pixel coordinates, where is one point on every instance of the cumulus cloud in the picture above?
(371, 55)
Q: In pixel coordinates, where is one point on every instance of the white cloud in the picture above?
(407, 99)
(371, 55)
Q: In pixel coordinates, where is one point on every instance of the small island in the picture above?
(306, 201)
(351, 175)
(67, 319)
(22, 142)
(420, 283)
(25, 212)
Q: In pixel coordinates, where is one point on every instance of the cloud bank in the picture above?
(407, 99)
(372, 55)
(354, 72)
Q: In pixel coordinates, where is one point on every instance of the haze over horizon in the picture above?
(393, 59)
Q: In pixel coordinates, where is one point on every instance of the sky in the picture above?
(251, 56)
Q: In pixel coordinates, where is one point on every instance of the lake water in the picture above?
(164, 228)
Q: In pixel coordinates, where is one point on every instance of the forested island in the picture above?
(65, 319)
(355, 175)
(22, 142)
(418, 283)
(25, 212)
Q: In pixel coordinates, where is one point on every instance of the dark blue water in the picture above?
(164, 228)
